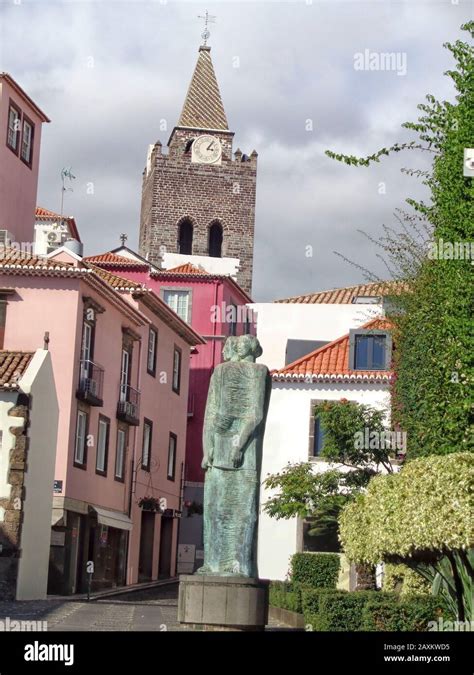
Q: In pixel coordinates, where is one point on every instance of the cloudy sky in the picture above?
(110, 73)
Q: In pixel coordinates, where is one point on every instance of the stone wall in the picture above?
(10, 527)
(176, 188)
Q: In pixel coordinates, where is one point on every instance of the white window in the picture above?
(171, 457)
(146, 450)
(176, 370)
(120, 455)
(102, 443)
(151, 361)
(81, 431)
(124, 374)
(179, 302)
(86, 350)
(27, 142)
(14, 126)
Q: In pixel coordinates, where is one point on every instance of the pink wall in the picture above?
(206, 292)
(18, 182)
(55, 304)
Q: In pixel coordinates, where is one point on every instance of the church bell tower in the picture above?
(198, 199)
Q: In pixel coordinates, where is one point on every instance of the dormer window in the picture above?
(370, 350)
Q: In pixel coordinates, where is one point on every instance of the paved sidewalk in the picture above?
(154, 609)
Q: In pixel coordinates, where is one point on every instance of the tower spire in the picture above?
(203, 107)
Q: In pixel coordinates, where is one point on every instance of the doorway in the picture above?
(147, 533)
(166, 540)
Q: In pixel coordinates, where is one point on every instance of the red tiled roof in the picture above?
(12, 366)
(11, 258)
(346, 295)
(113, 280)
(114, 260)
(45, 214)
(186, 268)
(331, 362)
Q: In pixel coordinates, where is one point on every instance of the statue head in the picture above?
(248, 348)
(229, 353)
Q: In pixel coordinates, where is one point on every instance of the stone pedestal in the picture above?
(223, 603)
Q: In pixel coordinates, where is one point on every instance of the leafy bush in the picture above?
(412, 614)
(421, 517)
(405, 581)
(284, 596)
(310, 601)
(315, 570)
(343, 611)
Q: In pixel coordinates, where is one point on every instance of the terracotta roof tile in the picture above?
(203, 108)
(45, 214)
(332, 361)
(113, 260)
(114, 281)
(186, 268)
(346, 295)
(12, 258)
(12, 366)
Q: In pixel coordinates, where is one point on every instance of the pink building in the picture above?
(216, 307)
(20, 124)
(121, 366)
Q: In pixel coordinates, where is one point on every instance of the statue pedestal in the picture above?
(223, 603)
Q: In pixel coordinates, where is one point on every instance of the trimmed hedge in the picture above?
(339, 610)
(284, 596)
(315, 570)
(412, 614)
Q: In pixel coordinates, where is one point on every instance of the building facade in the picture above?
(53, 231)
(198, 200)
(293, 433)
(121, 366)
(216, 307)
(20, 122)
(29, 414)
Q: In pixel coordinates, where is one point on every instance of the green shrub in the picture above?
(412, 614)
(315, 570)
(310, 600)
(343, 611)
(284, 596)
(405, 581)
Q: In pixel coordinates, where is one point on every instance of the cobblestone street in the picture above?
(153, 609)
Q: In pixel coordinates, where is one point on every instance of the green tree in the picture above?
(319, 497)
(432, 305)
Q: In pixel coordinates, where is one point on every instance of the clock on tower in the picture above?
(198, 199)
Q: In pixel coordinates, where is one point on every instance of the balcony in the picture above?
(128, 406)
(91, 380)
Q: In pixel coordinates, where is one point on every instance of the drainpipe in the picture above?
(134, 455)
(181, 506)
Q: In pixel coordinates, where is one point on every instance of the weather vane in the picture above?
(208, 18)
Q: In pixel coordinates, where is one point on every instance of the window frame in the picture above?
(152, 370)
(172, 475)
(27, 120)
(356, 332)
(83, 464)
(179, 289)
(13, 105)
(147, 424)
(120, 477)
(103, 420)
(176, 350)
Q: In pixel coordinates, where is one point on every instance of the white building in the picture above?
(52, 231)
(28, 428)
(328, 373)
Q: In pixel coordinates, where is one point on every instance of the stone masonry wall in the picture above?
(10, 528)
(176, 189)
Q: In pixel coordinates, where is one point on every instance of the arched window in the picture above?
(185, 237)
(215, 240)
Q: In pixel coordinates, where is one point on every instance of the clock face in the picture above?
(207, 150)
